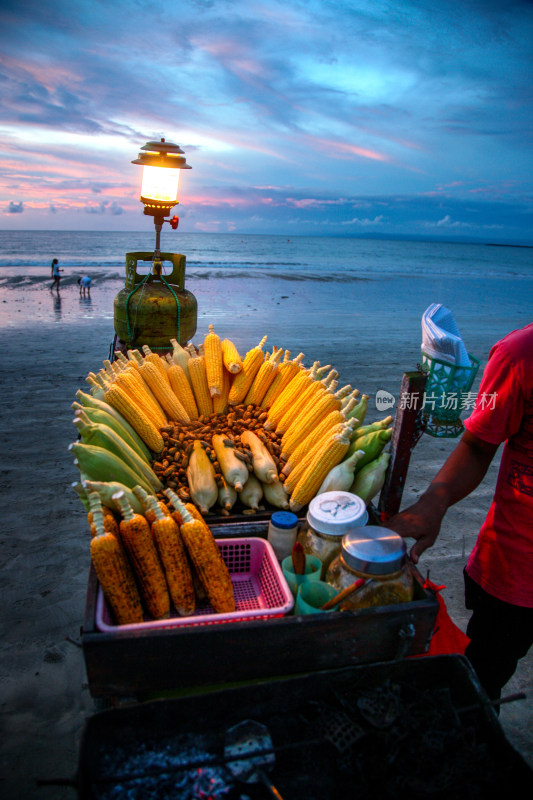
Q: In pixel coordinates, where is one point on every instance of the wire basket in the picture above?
(259, 588)
(447, 388)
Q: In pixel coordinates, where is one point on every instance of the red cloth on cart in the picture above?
(447, 638)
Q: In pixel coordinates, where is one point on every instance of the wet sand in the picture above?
(48, 347)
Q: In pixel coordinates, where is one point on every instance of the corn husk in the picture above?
(370, 479)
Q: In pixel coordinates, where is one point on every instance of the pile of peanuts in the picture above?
(172, 462)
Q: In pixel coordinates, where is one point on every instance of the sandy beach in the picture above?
(48, 347)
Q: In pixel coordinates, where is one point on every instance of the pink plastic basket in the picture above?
(259, 587)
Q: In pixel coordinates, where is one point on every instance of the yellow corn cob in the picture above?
(135, 358)
(313, 436)
(265, 375)
(213, 361)
(243, 380)
(172, 553)
(140, 547)
(312, 478)
(156, 360)
(132, 413)
(113, 570)
(111, 369)
(287, 370)
(289, 394)
(207, 559)
(231, 357)
(320, 445)
(163, 392)
(320, 408)
(179, 383)
(306, 400)
(132, 383)
(220, 401)
(200, 387)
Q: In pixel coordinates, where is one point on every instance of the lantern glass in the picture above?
(160, 183)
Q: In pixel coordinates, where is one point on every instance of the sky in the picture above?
(298, 117)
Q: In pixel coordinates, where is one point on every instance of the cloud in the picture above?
(15, 207)
(447, 222)
(332, 103)
(364, 223)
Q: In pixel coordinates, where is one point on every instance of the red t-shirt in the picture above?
(502, 559)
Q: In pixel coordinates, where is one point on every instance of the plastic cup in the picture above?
(313, 567)
(312, 595)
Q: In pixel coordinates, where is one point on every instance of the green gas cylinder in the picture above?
(154, 308)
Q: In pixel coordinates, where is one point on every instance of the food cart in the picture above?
(340, 693)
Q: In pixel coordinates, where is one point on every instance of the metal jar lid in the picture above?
(336, 513)
(374, 550)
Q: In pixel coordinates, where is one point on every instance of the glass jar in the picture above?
(378, 555)
(331, 516)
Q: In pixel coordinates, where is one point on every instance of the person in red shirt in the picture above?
(499, 572)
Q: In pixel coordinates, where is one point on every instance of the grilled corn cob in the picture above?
(113, 570)
(172, 553)
(206, 557)
(140, 547)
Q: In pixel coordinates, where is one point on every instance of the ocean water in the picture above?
(231, 255)
(355, 302)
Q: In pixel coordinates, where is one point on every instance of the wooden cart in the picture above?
(137, 664)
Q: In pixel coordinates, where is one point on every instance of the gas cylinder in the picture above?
(154, 308)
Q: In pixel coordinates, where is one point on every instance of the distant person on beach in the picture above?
(85, 286)
(499, 572)
(56, 274)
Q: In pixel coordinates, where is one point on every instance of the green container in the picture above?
(447, 388)
(312, 596)
(154, 308)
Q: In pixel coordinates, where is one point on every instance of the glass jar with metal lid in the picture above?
(379, 556)
(330, 516)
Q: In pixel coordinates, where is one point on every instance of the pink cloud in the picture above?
(344, 149)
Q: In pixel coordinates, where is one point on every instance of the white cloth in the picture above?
(441, 338)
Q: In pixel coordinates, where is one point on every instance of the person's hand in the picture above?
(420, 521)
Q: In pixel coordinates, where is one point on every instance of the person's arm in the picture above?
(461, 473)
